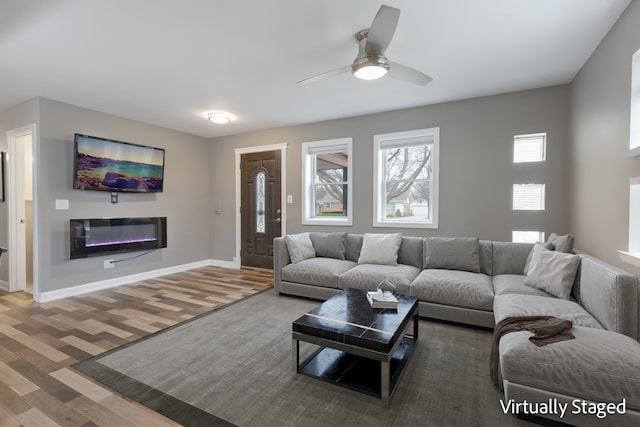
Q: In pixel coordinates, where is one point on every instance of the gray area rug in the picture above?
(234, 366)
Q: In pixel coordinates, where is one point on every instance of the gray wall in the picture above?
(185, 200)
(476, 170)
(600, 108)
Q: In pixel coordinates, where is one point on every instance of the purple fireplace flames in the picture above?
(120, 242)
(106, 236)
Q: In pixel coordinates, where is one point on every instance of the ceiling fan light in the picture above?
(370, 67)
(219, 118)
(370, 72)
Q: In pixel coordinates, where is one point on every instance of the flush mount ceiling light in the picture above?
(219, 117)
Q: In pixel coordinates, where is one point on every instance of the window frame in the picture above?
(634, 121)
(308, 182)
(379, 196)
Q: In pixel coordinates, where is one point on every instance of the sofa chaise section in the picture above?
(602, 362)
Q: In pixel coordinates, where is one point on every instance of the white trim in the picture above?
(237, 260)
(630, 258)
(42, 297)
(379, 200)
(12, 135)
(308, 172)
(634, 108)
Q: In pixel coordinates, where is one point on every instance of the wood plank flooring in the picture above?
(38, 343)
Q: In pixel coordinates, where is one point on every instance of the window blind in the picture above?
(529, 148)
(528, 197)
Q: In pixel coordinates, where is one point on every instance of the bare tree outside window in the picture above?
(408, 181)
(406, 178)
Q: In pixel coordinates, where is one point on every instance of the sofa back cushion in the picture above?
(410, 252)
(510, 257)
(452, 253)
(486, 257)
(609, 294)
(329, 245)
(354, 245)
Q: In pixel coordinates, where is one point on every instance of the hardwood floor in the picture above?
(38, 343)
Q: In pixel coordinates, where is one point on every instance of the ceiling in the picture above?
(169, 62)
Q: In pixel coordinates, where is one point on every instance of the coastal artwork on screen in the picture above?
(117, 166)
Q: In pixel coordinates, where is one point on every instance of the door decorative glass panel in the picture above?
(260, 202)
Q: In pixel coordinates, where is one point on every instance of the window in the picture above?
(634, 216)
(326, 183)
(634, 136)
(527, 236)
(528, 197)
(406, 179)
(529, 148)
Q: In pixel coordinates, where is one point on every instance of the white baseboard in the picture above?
(42, 297)
(224, 264)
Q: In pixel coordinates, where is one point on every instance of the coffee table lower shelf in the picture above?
(356, 372)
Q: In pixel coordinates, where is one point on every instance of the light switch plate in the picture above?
(62, 204)
(289, 198)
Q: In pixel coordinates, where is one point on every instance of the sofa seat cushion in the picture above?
(514, 284)
(317, 271)
(598, 365)
(368, 276)
(453, 287)
(514, 305)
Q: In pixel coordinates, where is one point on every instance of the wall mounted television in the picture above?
(108, 165)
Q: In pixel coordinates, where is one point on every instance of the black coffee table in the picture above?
(361, 348)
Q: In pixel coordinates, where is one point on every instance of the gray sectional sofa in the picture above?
(481, 282)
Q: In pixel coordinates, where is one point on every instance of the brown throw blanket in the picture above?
(546, 329)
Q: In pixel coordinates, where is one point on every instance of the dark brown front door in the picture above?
(261, 207)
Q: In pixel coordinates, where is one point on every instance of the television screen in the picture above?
(108, 165)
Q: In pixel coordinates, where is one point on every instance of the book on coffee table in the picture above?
(378, 299)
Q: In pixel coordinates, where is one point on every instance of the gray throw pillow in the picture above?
(562, 243)
(329, 245)
(552, 271)
(452, 253)
(380, 248)
(299, 247)
(547, 245)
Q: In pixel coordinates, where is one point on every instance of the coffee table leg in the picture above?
(384, 382)
(295, 349)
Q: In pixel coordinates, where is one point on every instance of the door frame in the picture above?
(13, 194)
(237, 261)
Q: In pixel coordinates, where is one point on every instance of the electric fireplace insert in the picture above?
(108, 236)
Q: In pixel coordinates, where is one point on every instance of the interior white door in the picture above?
(17, 179)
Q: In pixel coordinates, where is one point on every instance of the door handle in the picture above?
(278, 220)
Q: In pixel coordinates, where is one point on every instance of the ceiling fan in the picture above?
(371, 62)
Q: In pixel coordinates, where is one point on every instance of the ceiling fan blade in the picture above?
(408, 74)
(325, 75)
(382, 29)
